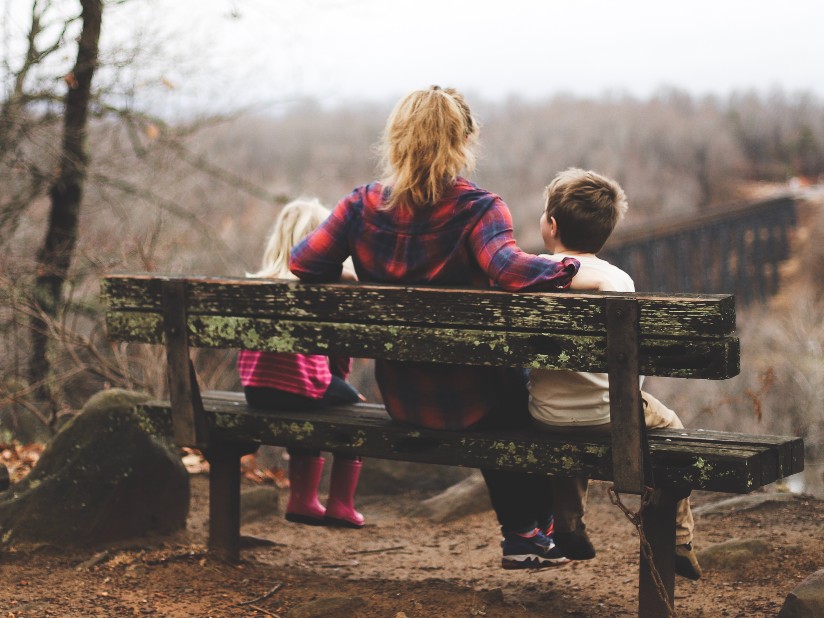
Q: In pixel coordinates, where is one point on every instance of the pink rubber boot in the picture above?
(340, 507)
(304, 476)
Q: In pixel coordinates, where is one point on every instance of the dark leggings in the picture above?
(521, 500)
(338, 393)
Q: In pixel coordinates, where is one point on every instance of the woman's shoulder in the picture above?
(464, 185)
(369, 195)
(468, 192)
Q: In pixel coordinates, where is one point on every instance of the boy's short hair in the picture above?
(586, 206)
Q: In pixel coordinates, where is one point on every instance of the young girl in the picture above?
(303, 382)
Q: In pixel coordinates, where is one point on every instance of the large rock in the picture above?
(331, 606)
(747, 502)
(106, 476)
(465, 498)
(383, 476)
(807, 600)
(733, 554)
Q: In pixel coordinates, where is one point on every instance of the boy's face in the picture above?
(547, 234)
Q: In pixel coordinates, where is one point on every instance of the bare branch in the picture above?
(202, 164)
(172, 139)
(168, 205)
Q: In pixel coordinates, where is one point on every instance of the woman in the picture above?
(424, 223)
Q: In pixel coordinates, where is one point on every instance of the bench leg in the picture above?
(659, 529)
(224, 501)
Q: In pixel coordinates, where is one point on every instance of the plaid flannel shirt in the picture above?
(465, 240)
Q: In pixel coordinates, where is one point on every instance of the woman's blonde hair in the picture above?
(294, 223)
(429, 138)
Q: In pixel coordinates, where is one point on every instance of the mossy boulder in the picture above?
(108, 475)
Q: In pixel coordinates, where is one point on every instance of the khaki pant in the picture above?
(571, 493)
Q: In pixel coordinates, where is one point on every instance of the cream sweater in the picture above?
(568, 398)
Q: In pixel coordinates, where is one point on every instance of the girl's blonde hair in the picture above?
(429, 138)
(294, 222)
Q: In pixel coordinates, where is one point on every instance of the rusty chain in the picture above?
(637, 520)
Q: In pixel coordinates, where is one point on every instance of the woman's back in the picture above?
(464, 240)
(412, 246)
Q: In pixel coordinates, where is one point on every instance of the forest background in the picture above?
(196, 192)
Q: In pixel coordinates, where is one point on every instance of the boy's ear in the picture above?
(553, 226)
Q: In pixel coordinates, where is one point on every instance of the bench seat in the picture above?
(685, 458)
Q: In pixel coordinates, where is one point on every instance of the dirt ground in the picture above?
(400, 567)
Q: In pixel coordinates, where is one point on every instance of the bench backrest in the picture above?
(624, 335)
(685, 336)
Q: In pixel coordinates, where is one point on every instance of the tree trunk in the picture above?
(55, 256)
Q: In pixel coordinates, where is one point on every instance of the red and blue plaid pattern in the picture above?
(465, 240)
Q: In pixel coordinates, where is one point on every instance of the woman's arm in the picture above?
(510, 268)
(319, 257)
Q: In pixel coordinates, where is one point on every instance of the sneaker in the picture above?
(575, 545)
(686, 562)
(548, 529)
(535, 552)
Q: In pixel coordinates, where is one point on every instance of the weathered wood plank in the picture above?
(659, 529)
(700, 358)
(367, 430)
(789, 450)
(189, 424)
(709, 467)
(672, 315)
(631, 470)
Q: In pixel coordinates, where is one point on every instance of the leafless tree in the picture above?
(66, 191)
(93, 151)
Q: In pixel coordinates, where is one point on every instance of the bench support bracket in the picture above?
(629, 434)
(188, 417)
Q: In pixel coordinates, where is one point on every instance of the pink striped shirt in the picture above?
(308, 375)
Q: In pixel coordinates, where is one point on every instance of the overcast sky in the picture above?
(378, 49)
(343, 50)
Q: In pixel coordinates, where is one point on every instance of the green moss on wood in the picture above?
(301, 431)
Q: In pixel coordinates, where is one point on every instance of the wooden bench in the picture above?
(685, 336)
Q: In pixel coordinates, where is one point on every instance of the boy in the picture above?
(582, 208)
